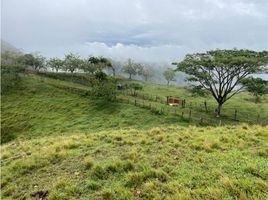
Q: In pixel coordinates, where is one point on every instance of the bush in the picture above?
(10, 78)
(103, 88)
(134, 87)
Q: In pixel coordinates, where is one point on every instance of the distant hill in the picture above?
(5, 46)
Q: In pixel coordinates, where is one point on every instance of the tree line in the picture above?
(223, 73)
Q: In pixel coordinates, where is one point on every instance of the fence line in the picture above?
(188, 112)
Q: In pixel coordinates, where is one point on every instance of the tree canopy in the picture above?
(72, 62)
(221, 71)
(55, 63)
(256, 86)
(132, 68)
(169, 75)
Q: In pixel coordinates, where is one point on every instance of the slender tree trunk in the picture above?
(113, 71)
(167, 82)
(129, 76)
(218, 110)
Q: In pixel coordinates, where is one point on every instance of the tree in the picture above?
(35, 61)
(55, 63)
(88, 67)
(72, 62)
(132, 68)
(100, 63)
(256, 86)
(146, 73)
(103, 87)
(9, 57)
(221, 71)
(169, 75)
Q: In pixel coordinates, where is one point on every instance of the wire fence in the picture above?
(198, 113)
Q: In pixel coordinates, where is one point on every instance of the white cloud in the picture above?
(159, 31)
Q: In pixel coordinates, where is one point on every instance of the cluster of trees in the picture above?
(132, 69)
(223, 73)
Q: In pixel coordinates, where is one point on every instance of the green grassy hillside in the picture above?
(41, 109)
(168, 163)
(56, 139)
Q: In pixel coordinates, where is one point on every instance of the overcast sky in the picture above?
(145, 30)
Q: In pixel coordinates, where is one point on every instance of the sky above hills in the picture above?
(146, 30)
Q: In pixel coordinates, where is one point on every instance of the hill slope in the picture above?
(75, 148)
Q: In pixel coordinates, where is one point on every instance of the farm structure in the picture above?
(173, 101)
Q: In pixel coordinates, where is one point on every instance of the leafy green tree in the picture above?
(169, 75)
(88, 67)
(72, 62)
(255, 86)
(37, 62)
(100, 63)
(132, 68)
(221, 71)
(56, 63)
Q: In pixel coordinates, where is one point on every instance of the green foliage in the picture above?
(10, 78)
(30, 60)
(134, 86)
(220, 71)
(99, 63)
(132, 68)
(199, 91)
(72, 62)
(256, 86)
(103, 87)
(9, 58)
(56, 63)
(169, 75)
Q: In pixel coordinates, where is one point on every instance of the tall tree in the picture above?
(255, 86)
(169, 75)
(100, 63)
(55, 63)
(221, 71)
(72, 62)
(132, 68)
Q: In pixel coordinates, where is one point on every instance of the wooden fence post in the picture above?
(235, 115)
(206, 108)
(190, 114)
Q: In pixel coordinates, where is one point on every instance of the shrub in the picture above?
(10, 78)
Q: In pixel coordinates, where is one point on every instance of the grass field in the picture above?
(58, 140)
